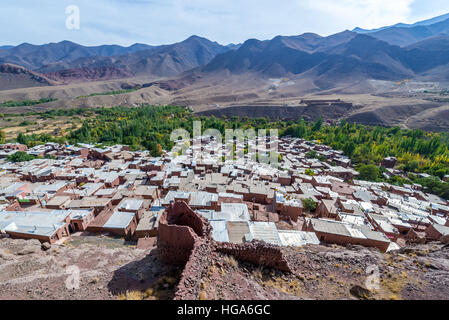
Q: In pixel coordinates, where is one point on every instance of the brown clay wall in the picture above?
(196, 267)
(256, 252)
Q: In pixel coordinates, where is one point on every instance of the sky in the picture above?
(157, 22)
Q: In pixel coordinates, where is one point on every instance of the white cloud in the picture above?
(367, 14)
(167, 21)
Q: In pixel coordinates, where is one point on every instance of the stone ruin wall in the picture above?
(185, 238)
(256, 252)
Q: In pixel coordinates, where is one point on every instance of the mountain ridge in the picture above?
(392, 53)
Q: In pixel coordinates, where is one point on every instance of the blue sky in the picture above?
(157, 22)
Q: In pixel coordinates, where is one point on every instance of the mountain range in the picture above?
(402, 51)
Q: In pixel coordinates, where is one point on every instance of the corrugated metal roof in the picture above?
(237, 231)
(119, 220)
(219, 230)
(38, 223)
(265, 231)
(332, 227)
(297, 238)
(235, 211)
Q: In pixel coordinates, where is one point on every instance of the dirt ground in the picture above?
(336, 273)
(108, 268)
(111, 268)
(33, 124)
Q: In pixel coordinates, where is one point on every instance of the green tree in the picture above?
(309, 205)
(369, 172)
(317, 125)
(20, 156)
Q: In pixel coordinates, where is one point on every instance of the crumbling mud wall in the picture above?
(185, 238)
(256, 252)
(196, 267)
(179, 229)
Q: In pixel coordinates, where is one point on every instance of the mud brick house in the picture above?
(80, 219)
(288, 206)
(80, 152)
(401, 191)
(229, 198)
(98, 204)
(173, 196)
(440, 209)
(110, 179)
(321, 181)
(135, 206)
(239, 189)
(55, 188)
(354, 219)
(149, 223)
(13, 147)
(44, 174)
(171, 184)
(349, 207)
(327, 209)
(342, 173)
(438, 220)
(106, 193)
(121, 223)
(343, 189)
(204, 200)
(284, 179)
(343, 162)
(152, 165)
(158, 179)
(382, 224)
(435, 232)
(43, 226)
(16, 190)
(364, 196)
(260, 194)
(58, 202)
(334, 232)
(87, 190)
(389, 162)
(103, 154)
(146, 192)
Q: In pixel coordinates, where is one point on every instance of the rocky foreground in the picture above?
(29, 270)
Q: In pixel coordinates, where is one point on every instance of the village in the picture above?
(85, 189)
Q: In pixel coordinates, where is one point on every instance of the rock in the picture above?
(445, 239)
(360, 292)
(5, 255)
(46, 246)
(28, 250)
